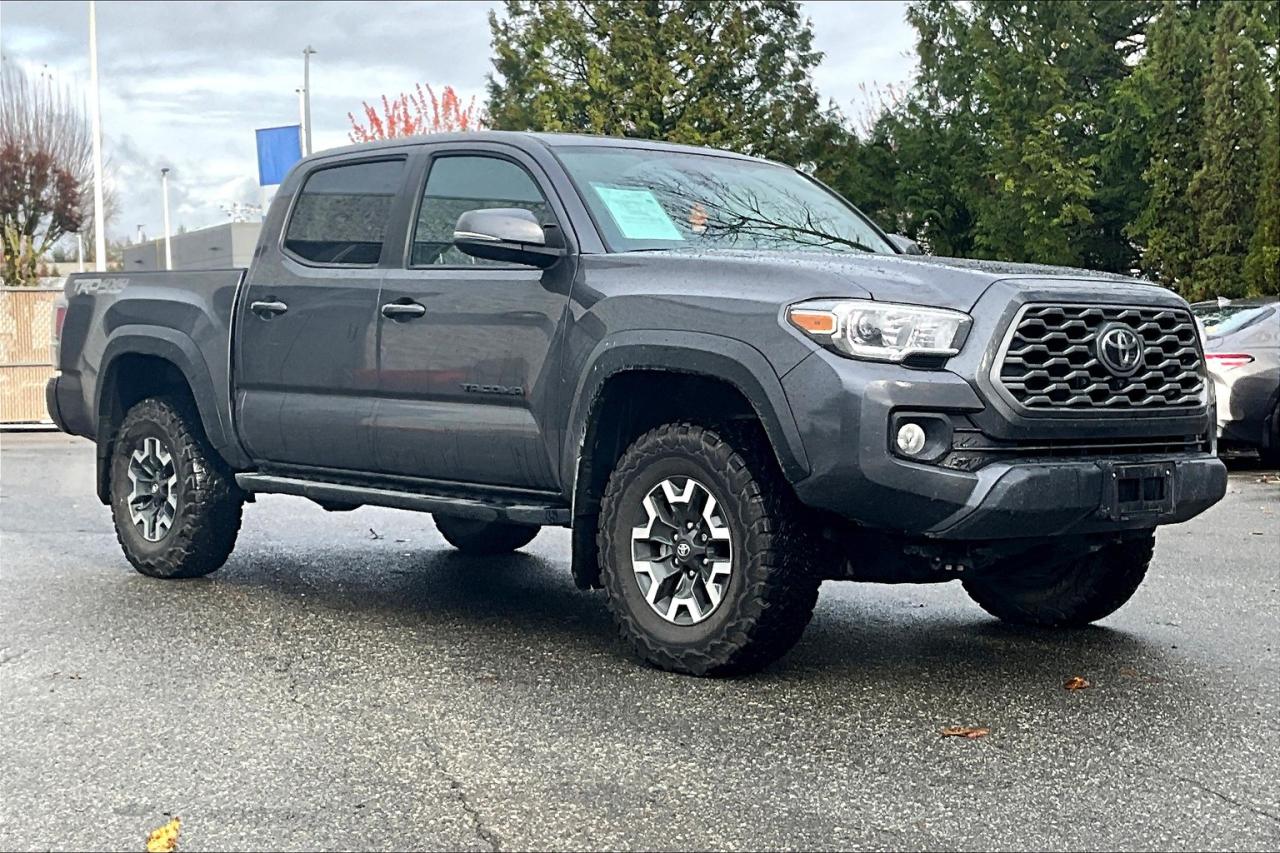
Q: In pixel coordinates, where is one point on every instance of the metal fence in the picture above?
(26, 332)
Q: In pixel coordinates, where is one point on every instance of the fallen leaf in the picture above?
(165, 839)
(1129, 672)
(1075, 682)
(969, 732)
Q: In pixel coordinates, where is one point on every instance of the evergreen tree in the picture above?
(1224, 192)
(1009, 146)
(1109, 135)
(1167, 91)
(865, 172)
(733, 75)
(1037, 190)
(1262, 265)
(937, 135)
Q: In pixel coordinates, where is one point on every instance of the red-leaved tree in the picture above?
(416, 112)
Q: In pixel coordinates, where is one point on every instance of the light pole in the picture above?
(306, 99)
(99, 223)
(168, 249)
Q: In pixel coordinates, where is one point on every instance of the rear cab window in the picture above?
(341, 215)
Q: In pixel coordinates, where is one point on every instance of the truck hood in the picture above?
(913, 279)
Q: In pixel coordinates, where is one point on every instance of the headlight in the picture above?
(881, 331)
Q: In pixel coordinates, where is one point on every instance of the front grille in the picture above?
(1051, 359)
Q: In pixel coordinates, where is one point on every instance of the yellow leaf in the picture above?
(1075, 682)
(165, 839)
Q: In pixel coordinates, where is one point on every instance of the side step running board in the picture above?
(338, 493)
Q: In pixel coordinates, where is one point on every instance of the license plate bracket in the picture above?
(1137, 490)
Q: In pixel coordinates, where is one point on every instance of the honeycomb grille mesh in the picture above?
(1051, 360)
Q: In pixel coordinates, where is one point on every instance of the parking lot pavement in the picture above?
(346, 681)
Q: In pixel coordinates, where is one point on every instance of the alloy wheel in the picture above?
(153, 501)
(682, 556)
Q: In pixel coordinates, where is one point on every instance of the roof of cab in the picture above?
(526, 139)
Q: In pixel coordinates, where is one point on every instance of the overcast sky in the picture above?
(184, 84)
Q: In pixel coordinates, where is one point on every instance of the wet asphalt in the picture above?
(347, 681)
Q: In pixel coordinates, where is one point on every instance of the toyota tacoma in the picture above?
(725, 380)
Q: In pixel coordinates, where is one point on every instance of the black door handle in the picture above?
(267, 310)
(403, 310)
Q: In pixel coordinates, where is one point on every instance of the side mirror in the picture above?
(905, 245)
(509, 234)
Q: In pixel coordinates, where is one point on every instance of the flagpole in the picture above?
(302, 122)
(306, 100)
(99, 222)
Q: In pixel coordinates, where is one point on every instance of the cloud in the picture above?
(862, 43)
(184, 84)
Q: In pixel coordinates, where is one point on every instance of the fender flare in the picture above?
(182, 352)
(697, 353)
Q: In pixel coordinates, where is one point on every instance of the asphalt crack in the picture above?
(1227, 799)
(484, 834)
(477, 821)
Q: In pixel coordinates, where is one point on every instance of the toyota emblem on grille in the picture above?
(1120, 350)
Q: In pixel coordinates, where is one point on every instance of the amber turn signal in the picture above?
(814, 322)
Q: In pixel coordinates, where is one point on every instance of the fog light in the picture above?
(911, 439)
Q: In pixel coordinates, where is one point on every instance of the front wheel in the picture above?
(1065, 593)
(704, 563)
(176, 511)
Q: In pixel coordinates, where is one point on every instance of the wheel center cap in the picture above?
(683, 550)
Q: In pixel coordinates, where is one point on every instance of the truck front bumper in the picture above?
(1050, 499)
(844, 412)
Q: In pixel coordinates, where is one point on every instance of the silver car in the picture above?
(1242, 349)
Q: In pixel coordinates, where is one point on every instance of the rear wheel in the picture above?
(176, 510)
(703, 559)
(484, 537)
(1065, 593)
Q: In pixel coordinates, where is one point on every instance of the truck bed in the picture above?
(184, 317)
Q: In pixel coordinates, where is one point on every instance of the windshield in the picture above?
(646, 199)
(1218, 319)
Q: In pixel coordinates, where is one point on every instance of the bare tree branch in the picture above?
(46, 170)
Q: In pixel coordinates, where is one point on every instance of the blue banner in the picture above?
(278, 149)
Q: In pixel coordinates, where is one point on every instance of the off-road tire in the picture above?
(207, 517)
(484, 537)
(1065, 594)
(772, 589)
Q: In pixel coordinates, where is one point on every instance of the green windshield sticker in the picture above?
(638, 214)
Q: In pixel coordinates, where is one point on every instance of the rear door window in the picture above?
(460, 183)
(341, 215)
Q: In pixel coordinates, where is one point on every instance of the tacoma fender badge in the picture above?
(501, 390)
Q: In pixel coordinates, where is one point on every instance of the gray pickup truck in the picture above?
(729, 384)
